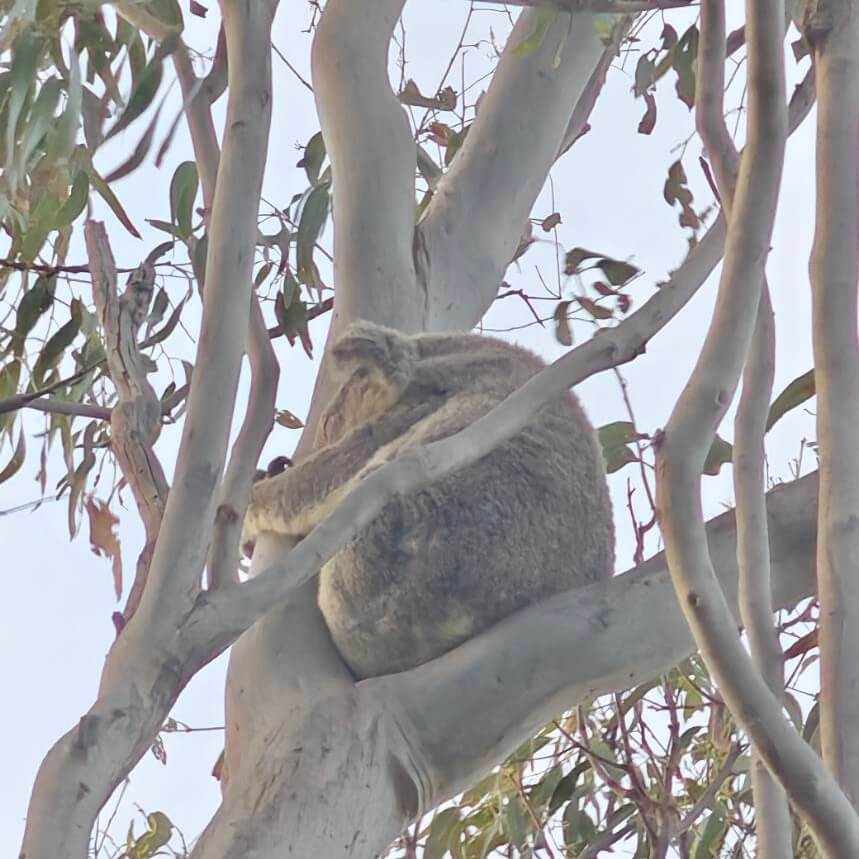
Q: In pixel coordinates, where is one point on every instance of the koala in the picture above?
(527, 521)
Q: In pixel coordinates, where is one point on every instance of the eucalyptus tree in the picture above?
(315, 763)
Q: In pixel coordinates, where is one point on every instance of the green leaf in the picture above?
(22, 77)
(167, 11)
(516, 821)
(579, 829)
(617, 433)
(40, 119)
(616, 271)
(801, 389)
(712, 835)
(17, 459)
(545, 19)
(313, 215)
(563, 791)
(291, 317)
(139, 152)
(167, 330)
(439, 833)
(57, 344)
(313, 158)
(544, 790)
(720, 454)
(198, 259)
(74, 205)
(150, 843)
(109, 197)
(33, 304)
(159, 307)
(262, 274)
(92, 116)
(141, 96)
(684, 56)
(183, 192)
(166, 227)
(574, 259)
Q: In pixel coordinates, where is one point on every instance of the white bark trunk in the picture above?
(472, 226)
(836, 360)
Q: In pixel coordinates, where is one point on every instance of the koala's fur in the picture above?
(527, 521)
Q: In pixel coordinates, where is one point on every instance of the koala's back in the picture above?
(529, 520)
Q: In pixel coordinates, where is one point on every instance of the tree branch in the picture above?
(623, 632)
(773, 828)
(148, 664)
(419, 467)
(621, 7)
(66, 407)
(690, 432)
(833, 270)
(135, 420)
(374, 206)
(238, 481)
(461, 253)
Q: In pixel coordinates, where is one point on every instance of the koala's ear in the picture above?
(365, 345)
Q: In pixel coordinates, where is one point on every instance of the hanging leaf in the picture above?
(800, 390)
(562, 324)
(314, 156)
(548, 224)
(17, 460)
(595, 310)
(74, 205)
(574, 259)
(648, 121)
(110, 198)
(141, 97)
(645, 75)
(677, 191)
(617, 272)
(313, 215)
(198, 259)
(684, 56)
(149, 843)
(57, 344)
(618, 433)
(171, 323)
(617, 457)
(439, 833)
(139, 152)
(21, 77)
(183, 192)
(33, 304)
(103, 539)
(77, 482)
(720, 453)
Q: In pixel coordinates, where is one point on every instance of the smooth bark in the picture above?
(836, 362)
(773, 829)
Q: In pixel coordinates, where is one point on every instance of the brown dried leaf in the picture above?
(287, 419)
(103, 540)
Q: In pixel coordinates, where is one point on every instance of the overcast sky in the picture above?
(55, 622)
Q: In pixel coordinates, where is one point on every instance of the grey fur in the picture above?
(529, 520)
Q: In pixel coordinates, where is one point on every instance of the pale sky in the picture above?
(55, 622)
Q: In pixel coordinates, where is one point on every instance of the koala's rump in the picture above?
(445, 563)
